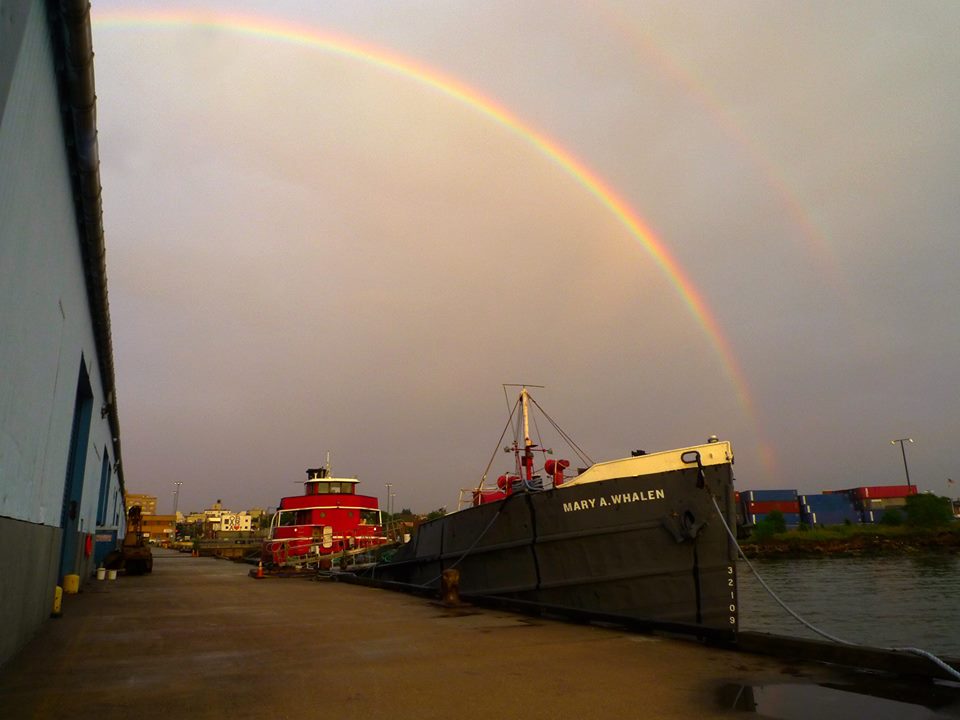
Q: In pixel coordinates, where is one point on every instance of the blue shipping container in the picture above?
(830, 518)
(826, 501)
(790, 519)
(873, 516)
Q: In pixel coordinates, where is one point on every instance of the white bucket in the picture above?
(101, 573)
(111, 574)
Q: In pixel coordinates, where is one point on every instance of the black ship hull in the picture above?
(650, 547)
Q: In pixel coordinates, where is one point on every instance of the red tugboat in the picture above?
(330, 517)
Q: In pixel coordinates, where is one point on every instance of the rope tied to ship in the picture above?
(833, 638)
(479, 537)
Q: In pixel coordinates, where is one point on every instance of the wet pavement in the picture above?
(198, 638)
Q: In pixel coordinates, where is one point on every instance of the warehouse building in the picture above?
(61, 477)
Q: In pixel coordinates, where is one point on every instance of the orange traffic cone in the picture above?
(260, 570)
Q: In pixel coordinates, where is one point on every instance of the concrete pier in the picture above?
(198, 638)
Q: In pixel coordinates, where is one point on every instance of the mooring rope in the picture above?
(912, 650)
(470, 549)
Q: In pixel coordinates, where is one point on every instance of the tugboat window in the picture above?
(369, 517)
(335, 488)
(287, 518)
(323, 488)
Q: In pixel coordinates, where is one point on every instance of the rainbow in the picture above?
(634, 35)
(381, 58)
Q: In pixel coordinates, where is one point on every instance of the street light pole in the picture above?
(388, 486)
(176, 497)
(904, 453)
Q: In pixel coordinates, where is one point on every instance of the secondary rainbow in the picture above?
(636, 36)
(272, 29)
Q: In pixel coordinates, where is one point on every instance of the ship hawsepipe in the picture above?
(637, 538)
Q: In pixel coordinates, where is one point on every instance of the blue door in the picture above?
(76, 462)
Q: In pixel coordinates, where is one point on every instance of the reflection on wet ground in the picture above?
(871, 696)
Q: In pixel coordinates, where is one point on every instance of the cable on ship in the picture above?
(833, 638)
(466, 552)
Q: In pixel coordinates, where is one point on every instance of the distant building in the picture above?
(212, 514)
(147, 503)
(216, 520)
(60, 463)
(158, 528)
(234, 522)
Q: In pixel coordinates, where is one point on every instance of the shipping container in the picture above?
(791, 520)
(874, 516)
(762, 508)
(885, 491)
(881, 503)
(831, 517)
(838, 500)
(768, 495)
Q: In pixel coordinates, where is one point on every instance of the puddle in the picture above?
(877, 698)
(485, 621)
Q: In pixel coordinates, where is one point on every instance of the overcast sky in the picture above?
(308, 252)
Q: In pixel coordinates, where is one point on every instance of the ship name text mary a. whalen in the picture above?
(614, 499)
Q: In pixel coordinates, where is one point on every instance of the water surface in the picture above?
(899, 601)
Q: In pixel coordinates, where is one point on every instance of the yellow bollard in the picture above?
(57, 600)
(450, 588)
(71, 584)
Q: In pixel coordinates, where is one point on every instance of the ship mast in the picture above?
(527, 442)
(524, 461)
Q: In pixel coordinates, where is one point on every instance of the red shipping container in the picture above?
(762, 508)
(885, 491)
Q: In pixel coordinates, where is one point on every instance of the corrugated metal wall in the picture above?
(46, 331)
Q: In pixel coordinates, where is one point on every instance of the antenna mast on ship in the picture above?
(527, 442)
(524, 458)
(525, 464)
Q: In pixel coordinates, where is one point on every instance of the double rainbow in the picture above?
(384, 59)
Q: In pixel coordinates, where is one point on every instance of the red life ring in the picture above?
(88, 545)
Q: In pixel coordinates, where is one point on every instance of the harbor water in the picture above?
(881, 602)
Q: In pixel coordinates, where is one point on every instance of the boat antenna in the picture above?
(328, 463)
(506, 398)
(525, 397)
